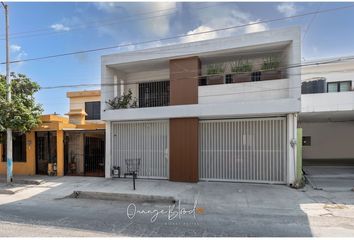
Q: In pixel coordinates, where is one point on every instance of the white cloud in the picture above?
(155, 16)
(287, 9)
(256, 27)
(18, 57)
(200, 37)
(15, 48)
(224, 17)
(59, 27)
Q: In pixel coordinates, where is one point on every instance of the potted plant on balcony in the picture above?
(215, 73)
(240, 71)
(270, 69)
(125, 101)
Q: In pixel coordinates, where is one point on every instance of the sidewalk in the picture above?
(238, 205)
(222, 194)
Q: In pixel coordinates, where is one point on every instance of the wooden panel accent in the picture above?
(184, 149)
(184, 75)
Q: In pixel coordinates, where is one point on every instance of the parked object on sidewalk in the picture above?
(52, 169)
(132, 168)
(116, 172)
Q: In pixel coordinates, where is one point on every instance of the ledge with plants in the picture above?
(240, 71)
(215, 74)
(270, 69)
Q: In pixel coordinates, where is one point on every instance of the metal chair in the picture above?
(133, 166)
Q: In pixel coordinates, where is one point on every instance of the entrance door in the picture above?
(94, 154)
(84, 153)
(46, 151)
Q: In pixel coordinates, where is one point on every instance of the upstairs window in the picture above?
(343, 86)
(154, 94)
(93, 110)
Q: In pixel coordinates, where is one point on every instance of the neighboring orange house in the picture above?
(71, 145)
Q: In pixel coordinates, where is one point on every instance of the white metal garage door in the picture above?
(147, 140)
(245, 150)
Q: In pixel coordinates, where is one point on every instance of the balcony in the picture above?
(327, 102)
(142, 95)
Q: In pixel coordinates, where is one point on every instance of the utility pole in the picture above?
(8, 82)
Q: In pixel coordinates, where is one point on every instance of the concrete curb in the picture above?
(24, 181)
(10, 191)
(122, 197)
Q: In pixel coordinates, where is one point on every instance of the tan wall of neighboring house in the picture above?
(22, 168)
(329, 140)
(58, 124)
(77, 105)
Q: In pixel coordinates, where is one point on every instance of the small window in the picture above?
(343, 86)
(228, 78)
(256, 76)
(93, 110)
(306, 141)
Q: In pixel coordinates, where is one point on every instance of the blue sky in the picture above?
(40, 29)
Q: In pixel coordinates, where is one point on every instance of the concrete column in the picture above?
(292, 147)
(108, 154)
(60, 152)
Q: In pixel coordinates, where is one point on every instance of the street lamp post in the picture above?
(8, 82)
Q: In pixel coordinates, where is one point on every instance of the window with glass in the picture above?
(154, 94)
(93, 110)
(342, 86)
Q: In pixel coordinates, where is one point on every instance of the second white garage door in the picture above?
(145, 140)
(245, 150)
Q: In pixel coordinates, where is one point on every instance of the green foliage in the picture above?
(241, 66)
(122, 102)
(22, 114)
(216, 68)
(270, 63)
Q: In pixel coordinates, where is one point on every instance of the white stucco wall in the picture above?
(329, 140)
(333, 72)
(152, 64)
(240, 92)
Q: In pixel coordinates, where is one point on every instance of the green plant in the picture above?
(240, 66)
(125, 101)
(22, 114)
(270, 63)
(215, 68)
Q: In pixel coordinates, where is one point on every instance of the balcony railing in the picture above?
(154, 94)
(241, 77)
(142, 95)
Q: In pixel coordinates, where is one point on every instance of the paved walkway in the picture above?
(331, 178)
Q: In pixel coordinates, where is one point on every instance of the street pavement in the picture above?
(205, 209)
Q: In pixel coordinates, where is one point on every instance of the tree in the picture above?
(22, 114)
(125, 101)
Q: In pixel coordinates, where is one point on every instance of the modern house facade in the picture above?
(216, 110)
(327, 115)
(62, 145)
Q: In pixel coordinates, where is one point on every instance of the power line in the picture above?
(178, 36)
(49, 31)
(311, 21)
(137, 82)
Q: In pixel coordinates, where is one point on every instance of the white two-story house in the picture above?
(217, 110)
(327, 116)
